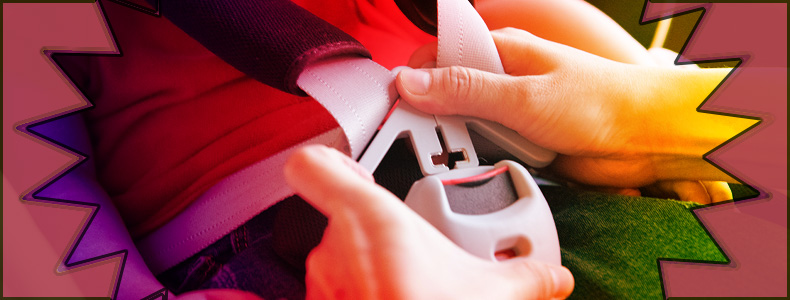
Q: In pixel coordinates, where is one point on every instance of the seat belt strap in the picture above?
(291, 50)
(225, 206)
(355, 90)
(358, 93)
(464, 39)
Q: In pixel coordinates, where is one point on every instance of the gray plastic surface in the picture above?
(526, 226)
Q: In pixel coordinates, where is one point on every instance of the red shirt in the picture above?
(171, 119)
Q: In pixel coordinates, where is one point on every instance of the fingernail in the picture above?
(350, 163)
(563, 281)
(416, 82)
(357, 168)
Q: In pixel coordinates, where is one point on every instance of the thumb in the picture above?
(536, 280)
(466, 91)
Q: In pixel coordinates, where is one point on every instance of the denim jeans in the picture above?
(243, 260)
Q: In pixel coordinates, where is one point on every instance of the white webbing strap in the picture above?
(224, 207)
(357, 92)
(464, 39)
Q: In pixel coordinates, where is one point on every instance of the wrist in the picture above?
(675, 135)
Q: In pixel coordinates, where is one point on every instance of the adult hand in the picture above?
(377, 248)
(617, 126)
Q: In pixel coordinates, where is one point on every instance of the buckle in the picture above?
(444, 150)
(435, 136)
(521, 227)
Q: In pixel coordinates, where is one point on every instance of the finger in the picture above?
(718, 191)
(424, 57)
(615, 190)
(502, 98)
(465, 91)
(334, 184)
(536, 280)
(691, 190)
(684, 190)
(316, 281)
(523, 53)
(457, 85)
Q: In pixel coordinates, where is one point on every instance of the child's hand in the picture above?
(377, 248)
(618, 127)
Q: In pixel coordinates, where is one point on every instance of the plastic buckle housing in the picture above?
(524, 228)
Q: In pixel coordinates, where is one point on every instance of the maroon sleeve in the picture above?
(269, 40)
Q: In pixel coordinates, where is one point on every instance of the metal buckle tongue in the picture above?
(524, 228)
(424, 130)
